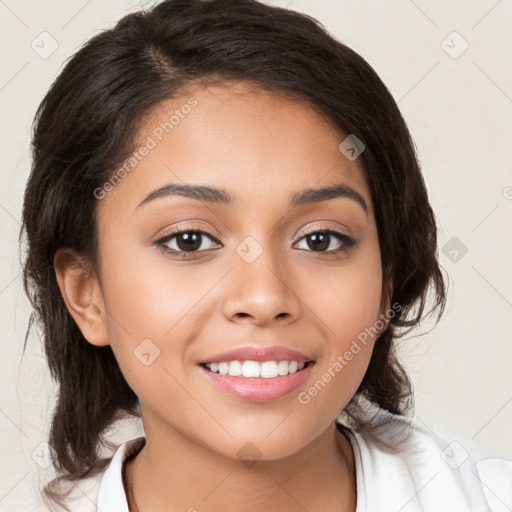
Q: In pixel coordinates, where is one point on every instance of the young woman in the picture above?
(227, 231)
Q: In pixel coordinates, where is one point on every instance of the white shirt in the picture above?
(426, 473)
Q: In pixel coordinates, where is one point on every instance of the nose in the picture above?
(260, 291)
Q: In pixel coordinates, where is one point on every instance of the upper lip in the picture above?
(248, 353)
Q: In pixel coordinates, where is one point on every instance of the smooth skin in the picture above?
(261, 148)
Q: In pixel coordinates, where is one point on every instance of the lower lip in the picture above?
(257, 389)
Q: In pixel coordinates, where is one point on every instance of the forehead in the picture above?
(241, 138)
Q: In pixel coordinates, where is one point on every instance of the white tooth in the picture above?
(269, 369)
(282, 368)
(235, 368)
(251, 369)
(265, 369)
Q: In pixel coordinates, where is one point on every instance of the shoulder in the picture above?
(496, 476)
(404, 462)
(78, 496)
(99, 492)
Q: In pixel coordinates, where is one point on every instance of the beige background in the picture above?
(459, 109)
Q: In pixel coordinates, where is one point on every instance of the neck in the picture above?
(178, 474)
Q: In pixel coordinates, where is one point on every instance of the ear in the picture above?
(82, 295)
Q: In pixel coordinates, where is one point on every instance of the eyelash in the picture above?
(348, 242)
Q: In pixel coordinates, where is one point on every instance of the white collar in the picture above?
(414, 478)
(111, 494)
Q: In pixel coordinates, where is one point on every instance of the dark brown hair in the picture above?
(86, 126)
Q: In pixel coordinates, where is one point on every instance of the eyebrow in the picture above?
(222, 196)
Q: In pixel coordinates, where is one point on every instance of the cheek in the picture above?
(349, 309)
(347, 299)
(154, 310)
(148, 295)
(350, 313)
(347, 302)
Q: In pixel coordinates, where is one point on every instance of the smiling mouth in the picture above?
(256, 369)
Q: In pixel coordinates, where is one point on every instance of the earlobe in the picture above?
(82, 295)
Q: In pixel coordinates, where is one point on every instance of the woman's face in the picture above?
(265, 274)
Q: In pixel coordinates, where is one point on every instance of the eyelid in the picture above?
(188, 227)
(193, 227)
(329, 227)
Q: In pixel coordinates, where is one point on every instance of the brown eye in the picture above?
(189, 241)
(183, 241)
(321, 241)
